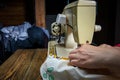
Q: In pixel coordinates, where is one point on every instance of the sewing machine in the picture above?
(77, 22)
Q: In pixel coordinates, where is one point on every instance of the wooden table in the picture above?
(24, 64)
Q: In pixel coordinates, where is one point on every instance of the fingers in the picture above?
(77, 50)
(75, 62)
(81, 62)
(74, 56)
(74, 51)
(79, 53)
(81, 56)
(78, 58)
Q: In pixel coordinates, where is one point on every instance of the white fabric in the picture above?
(58, 69)
(17, 32)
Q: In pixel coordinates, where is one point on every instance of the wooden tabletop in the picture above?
(24, 64)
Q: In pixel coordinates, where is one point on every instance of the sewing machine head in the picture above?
(81, 17)
(77, 21)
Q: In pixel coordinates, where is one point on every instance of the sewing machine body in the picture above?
(77, 21)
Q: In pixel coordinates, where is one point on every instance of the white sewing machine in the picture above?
(77, 21)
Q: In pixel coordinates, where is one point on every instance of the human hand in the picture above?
(88, 56)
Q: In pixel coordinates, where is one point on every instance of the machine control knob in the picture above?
(97, 28)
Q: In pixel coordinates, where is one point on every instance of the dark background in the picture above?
(14, 12)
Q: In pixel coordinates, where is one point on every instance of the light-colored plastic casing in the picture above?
(81, 16)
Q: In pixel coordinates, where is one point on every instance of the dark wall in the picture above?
(14, 12)
(117, 29)
(30, 11)
(106, 17)
(56, 6)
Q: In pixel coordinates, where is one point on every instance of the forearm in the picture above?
(114, 64)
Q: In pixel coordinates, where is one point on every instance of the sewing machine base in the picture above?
(58, 50)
